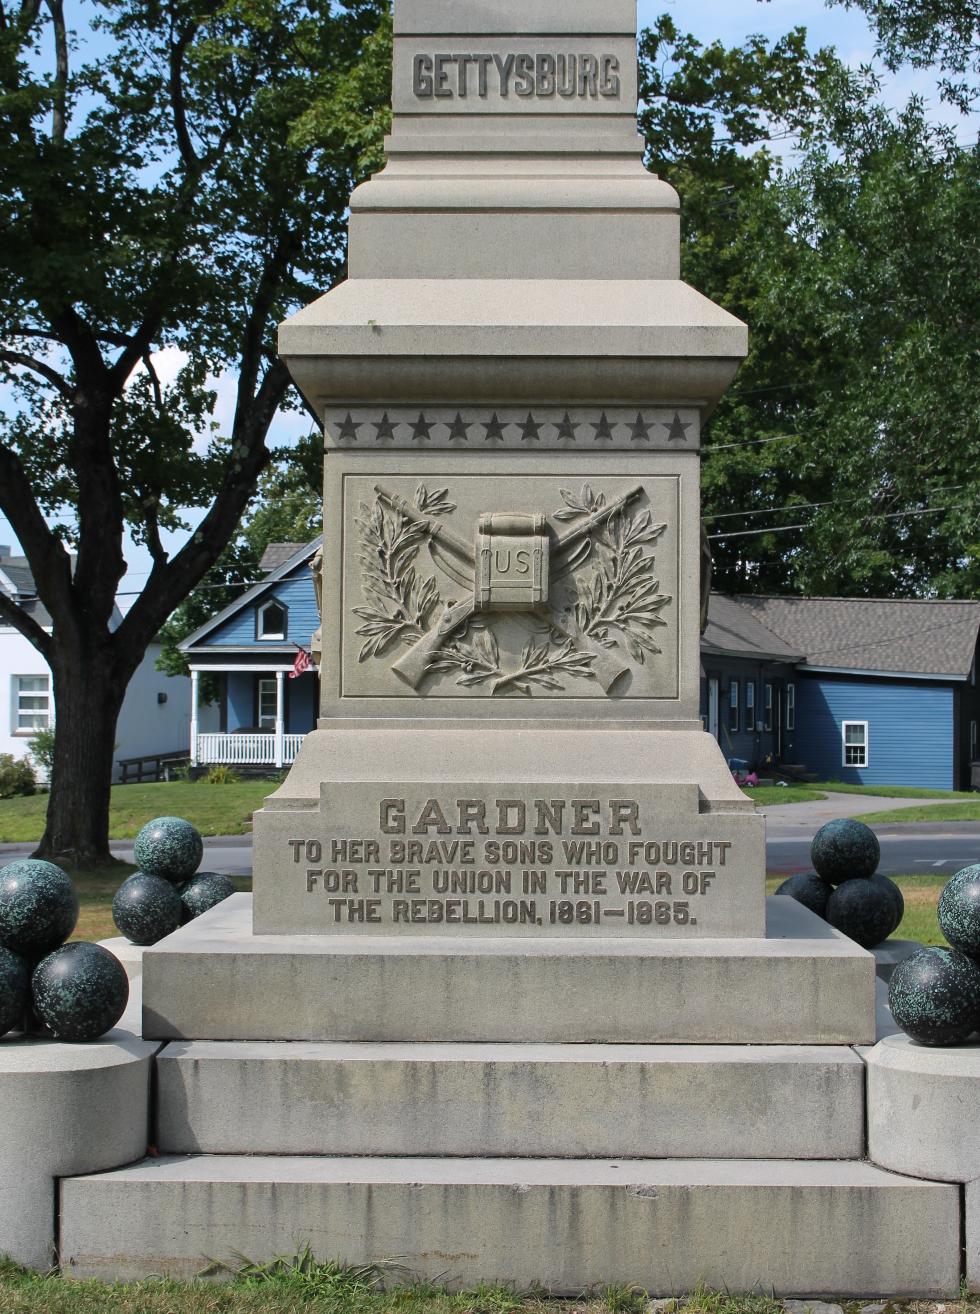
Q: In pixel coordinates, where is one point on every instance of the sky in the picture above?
(729, 21)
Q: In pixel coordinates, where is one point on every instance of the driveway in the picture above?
(814, 814)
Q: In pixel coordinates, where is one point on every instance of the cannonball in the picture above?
(809, 889)
(38, 907)
(845, 850)
(934, 996)
(959, 911)
(169, 847)
(204, 891)
(863, 911)
(146, 908)
(80, 991)
(896, 896)
(15, 990)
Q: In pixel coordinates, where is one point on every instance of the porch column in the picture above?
(280, 716)
(195, 684)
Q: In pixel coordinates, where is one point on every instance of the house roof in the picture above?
(276, 553)
(303, 553)
(888, 636)
(17, 581)
(733, 629)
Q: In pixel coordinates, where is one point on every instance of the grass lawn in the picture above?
(927, 812)
(95, 894)
(768, 796)
(892, 791)
(213, 809)
(921, 897)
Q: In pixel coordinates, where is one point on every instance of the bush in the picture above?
(221, 775)
(42, 750)
(17, 778)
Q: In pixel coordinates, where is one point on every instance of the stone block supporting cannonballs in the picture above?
(169, 847)
(809, 889)
(959, 911)
(15, 990)
(38, 907)
(934, 996)
(147, 908)
(862, 910)
(203, 892)
(895, 894)
(80, 992)
(845, 850)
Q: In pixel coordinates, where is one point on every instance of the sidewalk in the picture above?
(840, 805)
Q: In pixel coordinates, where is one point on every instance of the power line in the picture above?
(894, 515)
(812, 506)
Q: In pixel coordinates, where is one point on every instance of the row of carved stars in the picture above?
(568, 429)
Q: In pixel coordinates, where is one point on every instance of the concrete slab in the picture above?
(65, 1109)
(922, 1109)
(804, 984)
(563, 1101)
(793, 1229)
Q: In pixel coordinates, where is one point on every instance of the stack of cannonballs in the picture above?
(934, 996)
(168, 890)
(846, 889)
(71, 992)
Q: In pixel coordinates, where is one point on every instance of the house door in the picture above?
(713, 697)
(778, 721)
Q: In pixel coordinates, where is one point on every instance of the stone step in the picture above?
(640, 1101)
(805, 984)
(786, 1227)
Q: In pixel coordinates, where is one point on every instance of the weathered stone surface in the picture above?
(80, 992)
(215, 980)
(169, 847)
(146, 908)
(959, 911)
(66, 1109)
(562, 1101)
(38, 907)
(845, 850)
(972, 1230)
(922, 1109)
(934, 996)
(572, 1224)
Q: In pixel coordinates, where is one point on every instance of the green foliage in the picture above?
(17, 779)
(221, 775)
(330, 1284)
(623, 1299)
(42, 749)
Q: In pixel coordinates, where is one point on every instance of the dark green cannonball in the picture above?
(845, 850)
(959, 911)
(38, 907)
(863, 911)
(809, 889)
(169, 847)
(896, 896)
(934, 996)
(146, 908)
(80, 991)
(204, 891)
(15, 990)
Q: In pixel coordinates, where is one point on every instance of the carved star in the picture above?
(495, 430)
(422, 429)
(530, 431)
(640, 431)
(458, 431)
(347, 432)
(566, 430)
(603, 430)
(385, 430)
(677, 431)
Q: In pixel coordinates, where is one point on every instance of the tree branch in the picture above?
(39, 367)
(25, 624)
(178, 104)
(59, 108)
(50, 563)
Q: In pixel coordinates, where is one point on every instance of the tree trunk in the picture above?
(88, 693)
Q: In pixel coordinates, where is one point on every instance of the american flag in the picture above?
(301, 665)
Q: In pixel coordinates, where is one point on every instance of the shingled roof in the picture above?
(895, 637)
(733, 630)
(276, 554)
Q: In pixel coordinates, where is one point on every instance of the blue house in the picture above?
(850, 689)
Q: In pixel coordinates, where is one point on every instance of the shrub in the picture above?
(42, 750)
(17, 778)
(221, 775)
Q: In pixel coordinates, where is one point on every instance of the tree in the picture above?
(185, 189)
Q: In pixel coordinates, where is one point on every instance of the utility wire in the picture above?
(894, 515)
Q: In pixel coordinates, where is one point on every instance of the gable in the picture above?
(294, 592)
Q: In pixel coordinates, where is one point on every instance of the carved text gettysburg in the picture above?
(449, 76)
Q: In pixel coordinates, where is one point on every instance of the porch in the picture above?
(264, 716)
(242, 749)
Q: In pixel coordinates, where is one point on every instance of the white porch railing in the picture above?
(246, 750)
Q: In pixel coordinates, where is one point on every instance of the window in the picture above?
(973, 741)
(791, 707)
(32, 703)
(267, 704)
(768, 707)
(750, 705)
(270, 621)
(855, 736)
(733, 706)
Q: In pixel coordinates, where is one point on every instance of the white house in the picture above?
(155, 717)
